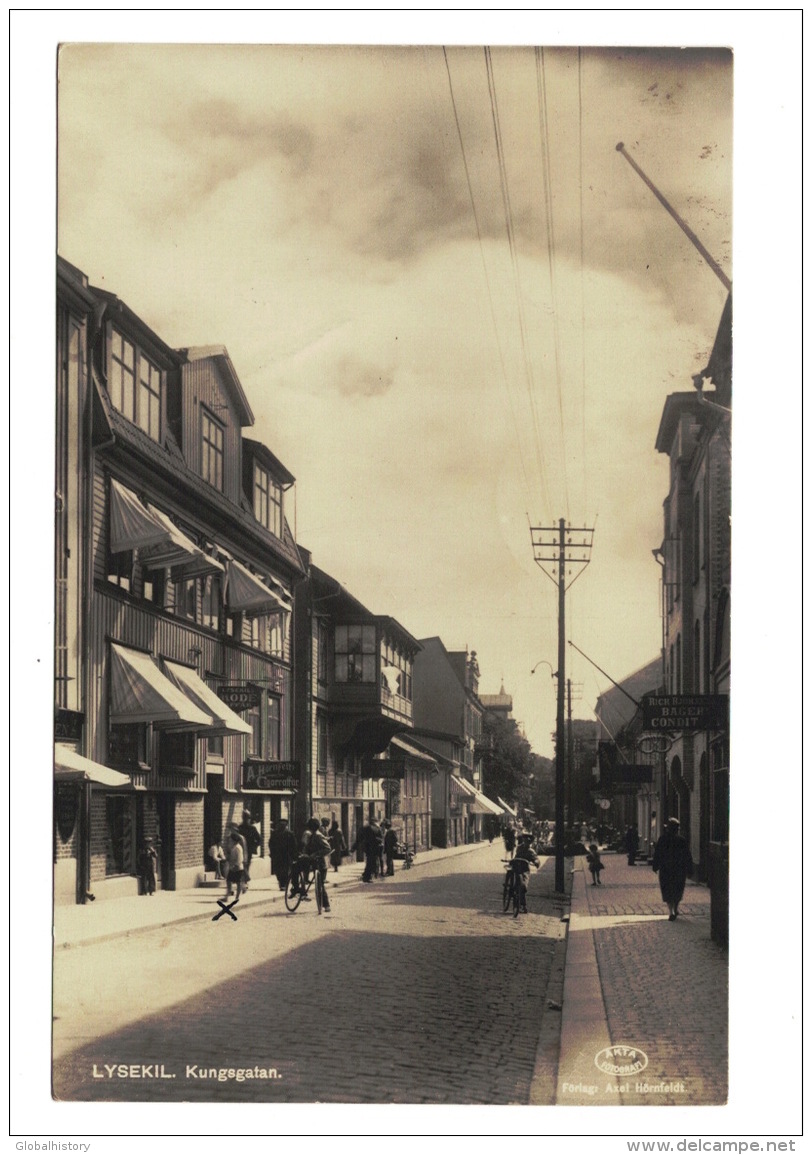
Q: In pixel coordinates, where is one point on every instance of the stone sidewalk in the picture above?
(644, 1016)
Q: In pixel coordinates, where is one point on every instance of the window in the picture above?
(211, 466)
(120, 816)
(268, 633)
(149, 398)
(321, 742)
(255, 740)
(323, 645)
(155, 586)
(142, 404)
(211, 602)
(274, 728)
(267, 500)
(697, 537)
(355, 658)
(120, 569)
(177, 750)
(186, 599)
(127, 745)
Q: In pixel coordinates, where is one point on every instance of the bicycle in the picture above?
(512, 887)
(407, 855)
(304, 875)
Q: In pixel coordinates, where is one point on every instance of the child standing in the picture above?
(593, 859)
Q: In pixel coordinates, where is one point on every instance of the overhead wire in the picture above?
(541, 95)
(581, 267)
(528, 365)
(487, 278)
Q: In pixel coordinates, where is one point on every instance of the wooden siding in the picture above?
(138, 626)
(201, 386)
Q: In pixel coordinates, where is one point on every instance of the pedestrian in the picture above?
(318, 847)
(218, 857)
(379, 837)
(148, 866)
(632, 842)
(236, 865)
(337, 844)
(525, 855)
(283, 849)
(368, 841)
(509, 837)
(672, 861)
(252, 844)
(390, 845)
(594, 863)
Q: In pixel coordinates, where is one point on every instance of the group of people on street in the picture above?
(232, 855)
(379, 843)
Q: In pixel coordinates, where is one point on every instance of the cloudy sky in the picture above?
(455, 308)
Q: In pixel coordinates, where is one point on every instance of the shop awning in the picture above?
(483, 805)
(72, 767)
(226, 721)
(462, 789)
(246, 593)
(506, 808)
(177, 551)
(132, 526)
(139, 692)
(412, 751)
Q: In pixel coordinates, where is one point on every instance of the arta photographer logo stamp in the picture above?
(621, 1060)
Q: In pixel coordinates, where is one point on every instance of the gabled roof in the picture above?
(263, 454)
(219, 354)
(201, 498)
(146, 337)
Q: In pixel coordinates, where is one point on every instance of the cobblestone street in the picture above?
(416, 989)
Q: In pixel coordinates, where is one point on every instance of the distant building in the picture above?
(354, 672)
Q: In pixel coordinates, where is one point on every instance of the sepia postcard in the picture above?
(394, 715)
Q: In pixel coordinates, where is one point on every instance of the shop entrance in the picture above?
(166, 835)
(212, 815)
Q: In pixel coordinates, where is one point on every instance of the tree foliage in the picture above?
(508, 763)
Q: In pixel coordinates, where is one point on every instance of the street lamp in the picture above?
(544, 662)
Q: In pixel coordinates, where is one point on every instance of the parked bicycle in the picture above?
(407, 854)
(305, 875)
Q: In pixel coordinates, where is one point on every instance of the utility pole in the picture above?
(555, 547)
(570, 761)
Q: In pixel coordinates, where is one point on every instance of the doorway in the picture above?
(166, 838)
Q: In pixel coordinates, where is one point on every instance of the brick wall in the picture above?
(189, 849)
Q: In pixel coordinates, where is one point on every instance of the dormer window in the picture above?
(211, 457)
(135, 385)
(267, 500)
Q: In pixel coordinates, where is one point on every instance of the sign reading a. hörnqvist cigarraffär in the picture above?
(685, 711)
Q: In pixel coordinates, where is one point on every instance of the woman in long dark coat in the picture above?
(672, 861)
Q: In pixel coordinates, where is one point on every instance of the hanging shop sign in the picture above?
(382, 768)
(685, 712)
(259, 774)
(240, 697)
(68, 725)
(66, 805)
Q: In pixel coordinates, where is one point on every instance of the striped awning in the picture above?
(72, 767)
(246, 593)
(159, 542)
(178, 552)
(225, 720)
(139, 692)
(483, 805)
(507, 809)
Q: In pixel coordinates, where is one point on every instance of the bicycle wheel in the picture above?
(293, 894)
(507, 893)
(517, 897)
(319, 888)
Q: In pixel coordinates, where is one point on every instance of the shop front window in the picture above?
(121, 848)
